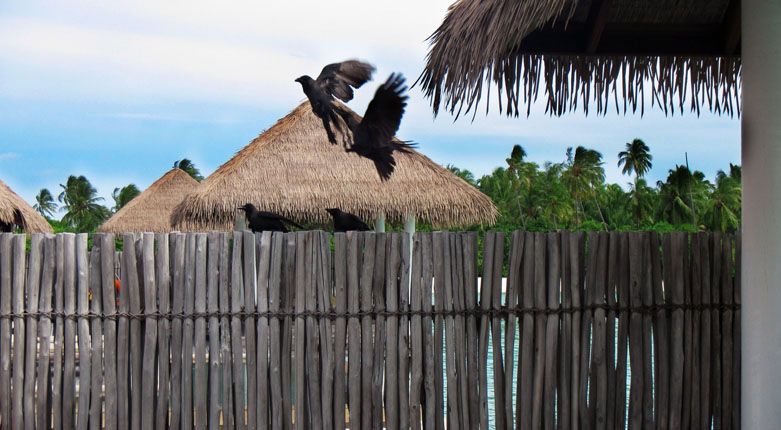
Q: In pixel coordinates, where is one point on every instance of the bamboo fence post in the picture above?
(163, 280)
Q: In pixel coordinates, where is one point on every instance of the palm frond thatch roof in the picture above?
(14, 210)
(293, 170)
(151, 210)
(680, 54)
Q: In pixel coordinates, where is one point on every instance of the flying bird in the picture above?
(265, 221)
(345, 221)
(335, 80)
(372, 137)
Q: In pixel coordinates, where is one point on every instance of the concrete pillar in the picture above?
(409, 222)
(761, 271)
(379, 223)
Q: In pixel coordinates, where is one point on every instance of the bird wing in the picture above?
(272, 215)
(337, 78)
(357, 222)
(383, 116)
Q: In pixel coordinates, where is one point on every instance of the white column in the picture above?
(379, 223)
(409, 222)
(761, 271)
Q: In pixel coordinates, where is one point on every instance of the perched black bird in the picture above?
(335, 80)
(344, 221)
(373, 135)
(6, 227)
(265, 221)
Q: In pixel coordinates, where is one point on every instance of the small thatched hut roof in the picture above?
(293, 170)
(587, 51)
(14, 210)
(151, 210)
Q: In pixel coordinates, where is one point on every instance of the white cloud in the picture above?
(8, 156)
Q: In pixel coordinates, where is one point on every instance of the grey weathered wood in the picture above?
(736, 345)
(274, 301)
(716, 335)
(485, 304)
(201, 381)
(526, 352)
(237, 300)
(312, 351)
(404, 332)
(676, 242)
(564, 393)
(340, 328)
(59, 335)
(470, 295)
(457, 275)
(540, 302)
(163, 281)
(646, 295)
(177, 307)
(84, 273)
(392, 332)
(45, 331)
(367, 350)
(302, 241)
(431, 385)
(288, 288)
(353, 249)
(109, 330)
(622, 297)
(129, 275)
(576, 258)
(69, 301)
(416, 335)
(444, 302)
(32, 288)
(598, 244)
(6, 269)
(696, 300)
(324, 295)
(378, 288)
(727, 332)
(250, 291)
(496, 336)
(187, 333)
(552, 329)
(705, 336)
(263, 274)
(136, 343)
(212, 306)
(610, 338)
(588, 388)
(226, 357)
(511, 301)
(636, 331)
(688, 342)
(96, 325)
(149, 361)
(17, 307)
(661, 335)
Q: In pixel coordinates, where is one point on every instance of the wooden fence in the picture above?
(280, 331)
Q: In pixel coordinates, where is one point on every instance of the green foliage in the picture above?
(124, 195)
(80, 203)
(189, 167)
(44, 203)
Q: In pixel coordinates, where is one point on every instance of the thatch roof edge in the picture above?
(14, 210)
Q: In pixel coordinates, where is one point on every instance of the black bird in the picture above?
(345, 221)
(335, 80)
(373, 135)
(265, 221)
(6, 227)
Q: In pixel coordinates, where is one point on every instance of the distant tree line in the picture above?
(573, 194)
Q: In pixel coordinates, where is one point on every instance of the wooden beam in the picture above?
(597, 17)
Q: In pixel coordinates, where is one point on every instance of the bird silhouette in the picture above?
(345, 221)
(265, 221)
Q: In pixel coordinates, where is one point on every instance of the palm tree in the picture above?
(723, 205)
(582, 172)
(123, 196)
(464, 174)
(45, 203)
(682, 195)
(642, 197)
(522, 175)
(189, 167)
(79, 202)
(636, 158)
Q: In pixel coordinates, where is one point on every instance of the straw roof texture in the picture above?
(151, 210)
(587, 51)
(14, 210)
(293, 170)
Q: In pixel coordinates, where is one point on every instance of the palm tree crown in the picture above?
(44, 203)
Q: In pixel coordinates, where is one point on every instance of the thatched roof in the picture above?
(293, 170)
(151, 210)
(14, 210)
(587, 51)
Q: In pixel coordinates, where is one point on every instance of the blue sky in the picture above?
(117, 91)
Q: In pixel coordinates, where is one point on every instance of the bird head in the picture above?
(333, 211)
(249, 207)
(304, 80)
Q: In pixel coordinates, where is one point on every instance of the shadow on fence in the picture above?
(248, 331)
